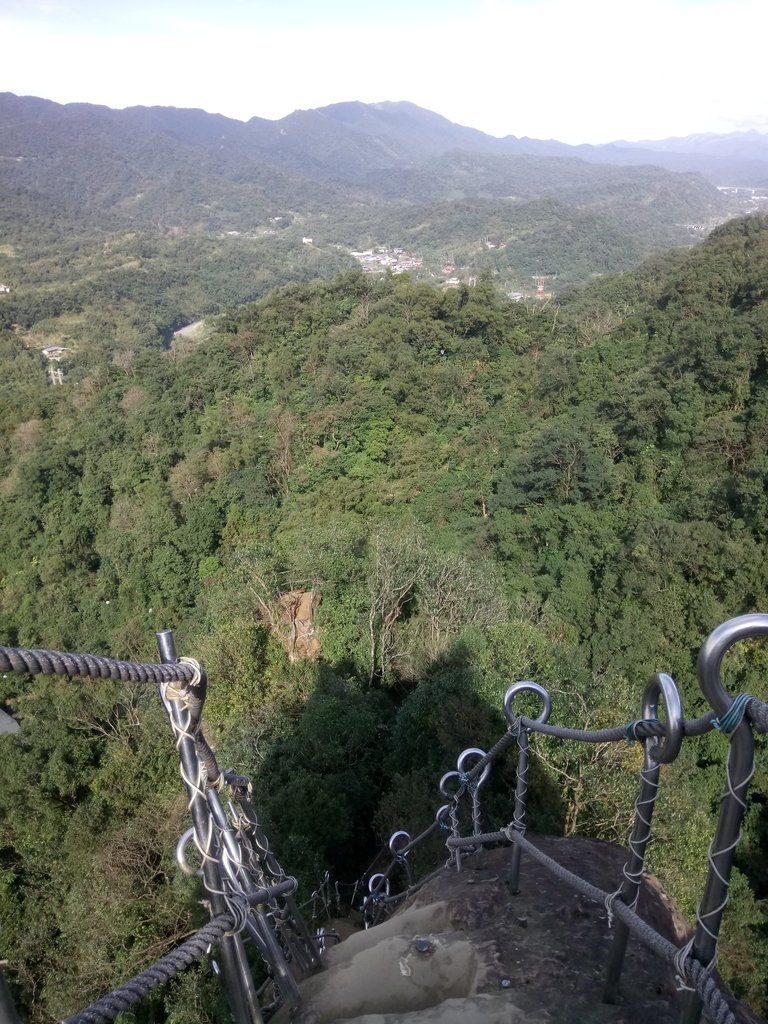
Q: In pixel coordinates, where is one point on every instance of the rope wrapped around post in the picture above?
(740, 768)
(521, 784)
(656, 754)
(184, 716)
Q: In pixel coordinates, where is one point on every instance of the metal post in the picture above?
(477, 781)
(238, 980)
(259, 928)
(521, 785)
(740, 766)
(453, 813)
(310, 954)
(656, 753)
(518, 819)
(400, 851)
(629, 888)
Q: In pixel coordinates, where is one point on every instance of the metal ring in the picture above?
(392, 843)
(713, 651)
(181, 860)
(664, 750)
(473, 752)
(373, 881)
(443, 782)
(527, 687)
(442, 814)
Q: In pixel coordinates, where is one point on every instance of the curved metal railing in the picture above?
(252, 898)
(250, 895)
(734, 717)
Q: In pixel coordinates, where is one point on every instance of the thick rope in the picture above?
(89, 666)
(386, 900)
(757, 713)
(139, 987)
(509, 737)
(428, 831)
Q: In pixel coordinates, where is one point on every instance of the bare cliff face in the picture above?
(296, 627)
(466, 949)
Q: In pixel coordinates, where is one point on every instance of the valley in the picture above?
(539, 452)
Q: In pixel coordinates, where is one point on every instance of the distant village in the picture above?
(373, 261)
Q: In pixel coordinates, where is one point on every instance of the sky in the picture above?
(574, 70)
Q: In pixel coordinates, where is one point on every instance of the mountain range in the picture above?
(739, 158)
(347, 142)
(351, 176)
(160, 165)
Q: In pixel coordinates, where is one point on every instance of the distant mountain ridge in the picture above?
(341, 178)
(739, 157)
(394, 134)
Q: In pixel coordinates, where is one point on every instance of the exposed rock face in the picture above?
(298, 631)
(466, 949)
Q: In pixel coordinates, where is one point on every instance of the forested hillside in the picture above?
(127, 224)
(476, 490)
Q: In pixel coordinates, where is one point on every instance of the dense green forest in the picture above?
(477, 490)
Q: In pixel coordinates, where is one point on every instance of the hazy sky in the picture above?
(575, 70)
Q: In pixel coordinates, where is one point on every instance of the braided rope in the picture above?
(90, 666)
(412, 889)
(163, 970)
(493, 755)
(137, 988)
(421, 837)
(757, 713)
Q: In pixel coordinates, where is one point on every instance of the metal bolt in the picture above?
(506, 983)
(422, 945)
